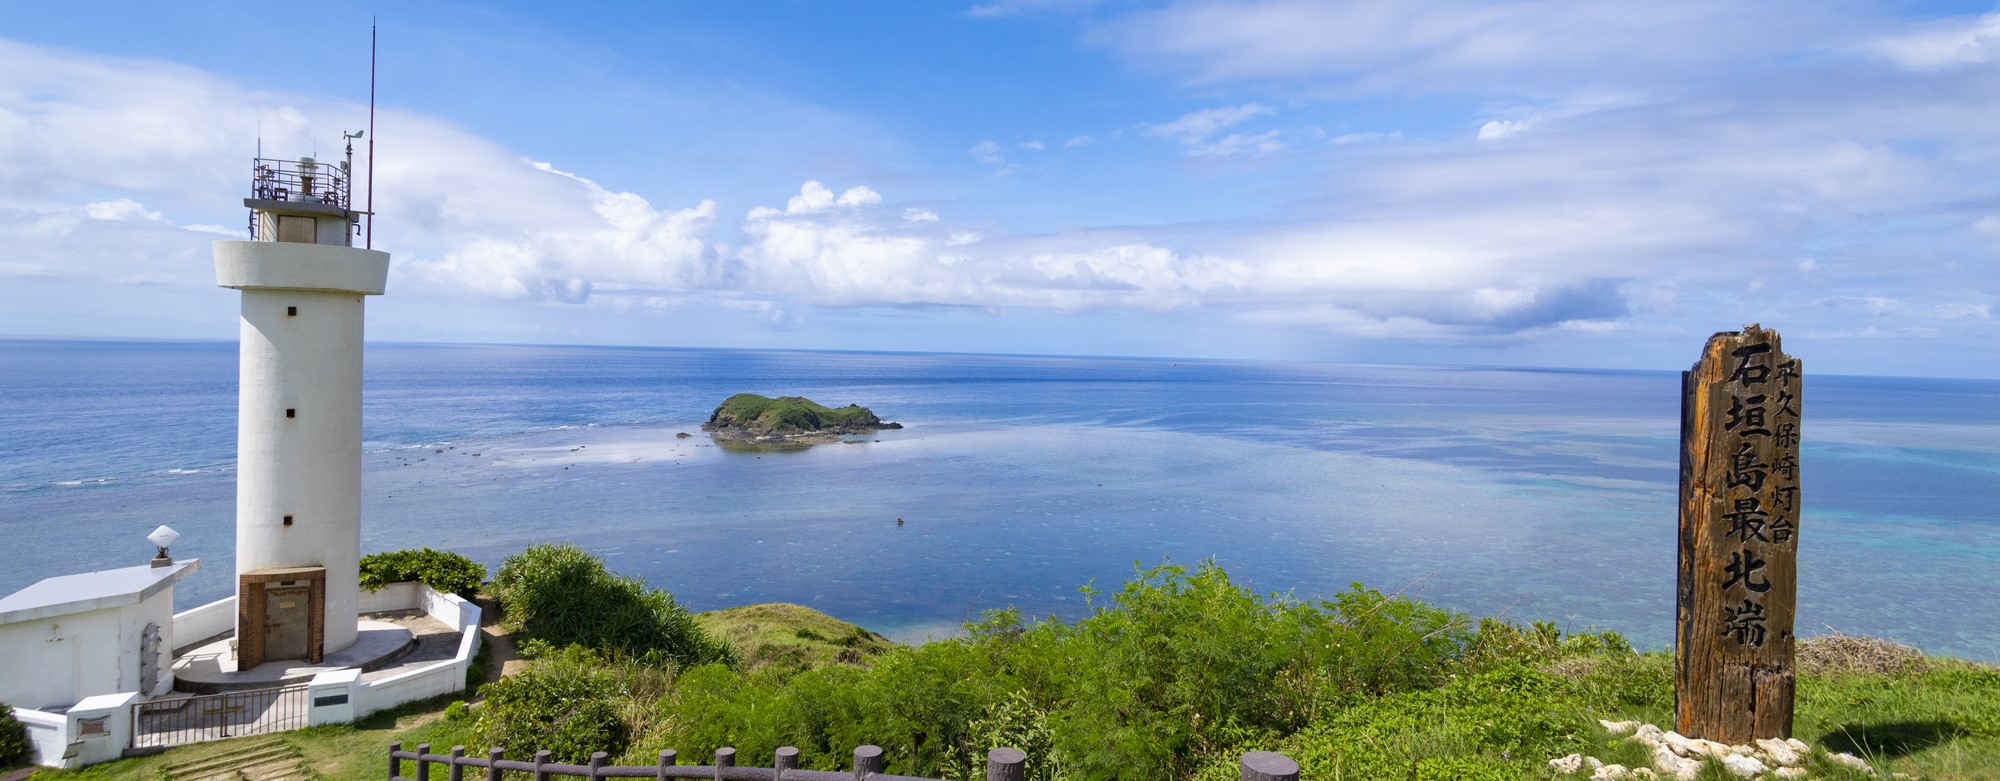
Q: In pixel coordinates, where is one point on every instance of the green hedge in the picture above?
(442, 570)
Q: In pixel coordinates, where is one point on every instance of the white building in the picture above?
(76, 636)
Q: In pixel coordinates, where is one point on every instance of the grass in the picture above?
(791, 636)
(337, 753)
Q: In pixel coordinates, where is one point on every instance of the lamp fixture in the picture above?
(163, 537)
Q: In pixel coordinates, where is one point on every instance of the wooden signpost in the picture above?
(1739, 540)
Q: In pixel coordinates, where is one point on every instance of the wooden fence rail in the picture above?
(1002, 764)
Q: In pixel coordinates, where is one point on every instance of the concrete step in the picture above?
(225, 765)
(230, 761)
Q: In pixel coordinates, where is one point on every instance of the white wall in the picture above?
(52, 663)
(48, 735)
(307, 466)
(443, 677)
(204, 622)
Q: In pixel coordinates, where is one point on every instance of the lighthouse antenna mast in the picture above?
(369, 242)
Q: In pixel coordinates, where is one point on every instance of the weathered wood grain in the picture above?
(1737, 585)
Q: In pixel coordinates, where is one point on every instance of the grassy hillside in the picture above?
(791, 637)
(787, 415)
(1173, 676)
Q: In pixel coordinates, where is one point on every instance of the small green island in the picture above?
(753, 420)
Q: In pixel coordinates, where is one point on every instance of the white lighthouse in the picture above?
(298, 446)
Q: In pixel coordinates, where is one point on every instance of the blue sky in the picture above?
(1534, 183)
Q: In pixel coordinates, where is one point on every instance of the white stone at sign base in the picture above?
(1680, 757)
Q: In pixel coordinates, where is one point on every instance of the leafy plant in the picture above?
(445, 571)
(567, 706)
(562, 595)
(13, 738)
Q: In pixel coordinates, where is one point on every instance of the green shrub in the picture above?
(567, 705)
(13, 738)
(562, 595)
(1183, 668)
(445, 571)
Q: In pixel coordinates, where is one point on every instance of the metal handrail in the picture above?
(272, 179)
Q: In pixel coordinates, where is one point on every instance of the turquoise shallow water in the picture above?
(1530, 493)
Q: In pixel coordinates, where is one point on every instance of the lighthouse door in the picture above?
(285, 630)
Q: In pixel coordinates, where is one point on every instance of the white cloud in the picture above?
(1497, 129)
(1942, 44)
(987, 152)
(1237, 144)
(1201, 124)
(859, 196)
(1077, 141)
(812, 197)
(122, 209)
(234, 233)
(914, 214)
(1195, 132)
(1032, 146)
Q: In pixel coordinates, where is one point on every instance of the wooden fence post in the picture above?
(724, 757)
(597, 759)
(423, 766)
(867, 759)
(395, 762)
(542, 760)
(493, 756)
(1006, 764)
(1737, 584)
(785, 758)
(667, 760)
(1268, 766)
(457, 771)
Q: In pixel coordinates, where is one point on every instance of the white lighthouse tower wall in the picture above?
(299, 418)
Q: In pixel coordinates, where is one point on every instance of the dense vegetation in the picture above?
(787, 414)
(445, 571)
(560, 595)
(1173, 677)
(1181, 671)
(13, 738)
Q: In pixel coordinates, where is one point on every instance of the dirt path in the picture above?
(501, 659)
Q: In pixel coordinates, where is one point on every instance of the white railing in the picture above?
(350, 698)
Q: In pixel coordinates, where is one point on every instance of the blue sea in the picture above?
(1529, 494)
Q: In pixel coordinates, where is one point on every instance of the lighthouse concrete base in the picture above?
(211, 666)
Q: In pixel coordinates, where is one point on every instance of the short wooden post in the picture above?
(423, 765)
(1006, 764)
(1268, 766)
(493, 757)
(395, 762)
(785, 758)
(457, 771)
(724, 757)
(1739, 540)
(867, 759)
(541, 763)
(597, 759)
(667, 760)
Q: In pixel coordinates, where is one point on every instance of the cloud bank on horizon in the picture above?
(1471, 179)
